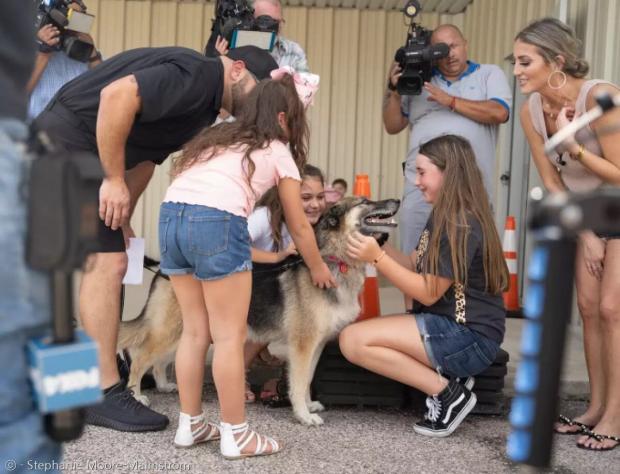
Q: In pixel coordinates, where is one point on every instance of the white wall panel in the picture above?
(343, 91)
(368, 124)
(111, 27)
(295, 24)
(164, 29)
(190, 22)
(319, 52)
(138, 24)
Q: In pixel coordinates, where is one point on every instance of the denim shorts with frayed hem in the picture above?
(202, 241)
(453, 348)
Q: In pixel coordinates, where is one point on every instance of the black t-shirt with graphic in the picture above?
(472, 305)
(181, 93)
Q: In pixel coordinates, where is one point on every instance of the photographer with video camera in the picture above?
(133, 111)
(63, 53)
(24, 293)
(459, 97)
(267, 17)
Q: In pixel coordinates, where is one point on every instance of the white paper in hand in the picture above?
(135, 265)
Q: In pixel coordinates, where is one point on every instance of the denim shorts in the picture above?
(453, 348)
(202, 241)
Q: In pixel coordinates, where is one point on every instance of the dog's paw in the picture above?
(168, 388)
(310, 419)
(143, 399)
(314, 407)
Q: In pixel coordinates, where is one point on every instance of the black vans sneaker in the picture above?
(446, 411)
(468, 383)
(120, 411)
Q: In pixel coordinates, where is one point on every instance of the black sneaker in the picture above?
(446, 411)
(468, 383)
(120, 411)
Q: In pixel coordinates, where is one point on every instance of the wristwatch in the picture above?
(391, 86)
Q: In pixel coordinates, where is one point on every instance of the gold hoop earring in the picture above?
(563, 80)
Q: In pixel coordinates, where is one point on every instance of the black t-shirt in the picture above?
(181, 92)
(472, 305)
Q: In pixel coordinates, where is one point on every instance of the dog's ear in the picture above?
(331, 219)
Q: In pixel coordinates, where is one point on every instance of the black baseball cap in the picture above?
(258, 61)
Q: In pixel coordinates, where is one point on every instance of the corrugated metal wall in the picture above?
(351, 50)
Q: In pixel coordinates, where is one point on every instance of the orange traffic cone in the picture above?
(362, 186)
(511, 297)
(369, 297)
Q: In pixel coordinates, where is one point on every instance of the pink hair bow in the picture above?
(307, 84)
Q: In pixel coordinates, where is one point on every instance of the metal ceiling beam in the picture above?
(347, 3)
(430, 6)
(459, 6)
(394, 4)
(443, 6)
(376, 4)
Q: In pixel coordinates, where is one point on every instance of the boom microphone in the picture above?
(605, 102)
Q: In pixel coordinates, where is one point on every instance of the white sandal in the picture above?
(232, 448)
(193, 430)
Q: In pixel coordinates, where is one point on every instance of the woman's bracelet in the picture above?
(579, 155)
(376, 260)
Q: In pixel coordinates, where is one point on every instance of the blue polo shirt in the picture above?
(60, 69)
(429, 119)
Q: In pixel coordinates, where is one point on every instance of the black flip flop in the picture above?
(599, 437)
(566, 421)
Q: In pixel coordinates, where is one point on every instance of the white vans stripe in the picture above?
(452, 405)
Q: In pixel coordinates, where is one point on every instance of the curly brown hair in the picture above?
(255, 128)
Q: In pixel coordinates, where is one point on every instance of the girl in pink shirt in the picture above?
(205, 248)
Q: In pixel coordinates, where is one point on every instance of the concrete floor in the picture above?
(352, 440)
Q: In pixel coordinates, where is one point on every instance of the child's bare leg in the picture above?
(227, 302)
(194, 342)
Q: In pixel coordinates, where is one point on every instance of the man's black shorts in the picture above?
(69, 133)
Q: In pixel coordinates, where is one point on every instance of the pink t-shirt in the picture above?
(221, 182)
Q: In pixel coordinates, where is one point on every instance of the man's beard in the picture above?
(238, 97)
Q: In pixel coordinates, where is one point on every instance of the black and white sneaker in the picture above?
(446, 411)
(468, 383)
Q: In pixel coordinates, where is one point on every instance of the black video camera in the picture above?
(234, 21)
(68, 21)
(417, 58)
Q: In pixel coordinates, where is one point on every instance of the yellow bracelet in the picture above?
(376, 260)
(580, 153)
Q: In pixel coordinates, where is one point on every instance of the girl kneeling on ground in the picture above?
(456, 277)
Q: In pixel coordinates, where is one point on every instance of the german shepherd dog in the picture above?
(285, 306)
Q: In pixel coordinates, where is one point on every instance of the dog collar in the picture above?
(342, 265)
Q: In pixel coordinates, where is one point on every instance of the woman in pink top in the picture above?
(205, 248)
(549, 67)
